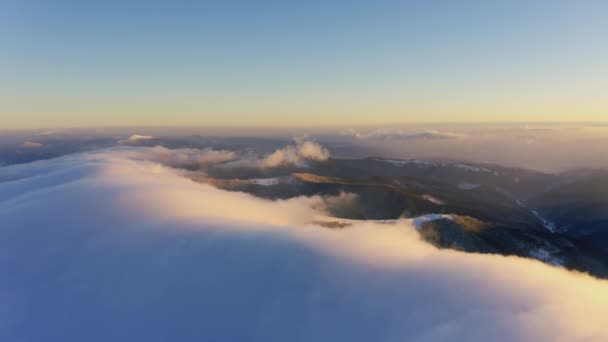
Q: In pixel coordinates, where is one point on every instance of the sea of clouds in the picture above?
(116, 246)
(550, 148)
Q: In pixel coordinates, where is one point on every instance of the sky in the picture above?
(307, 63)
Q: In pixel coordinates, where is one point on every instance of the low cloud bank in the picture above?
(529, 146)
(108, 247)
(187, 157)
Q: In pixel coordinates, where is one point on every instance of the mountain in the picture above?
(558, 219)
(576, 204)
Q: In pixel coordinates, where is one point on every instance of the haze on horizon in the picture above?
(142, 63)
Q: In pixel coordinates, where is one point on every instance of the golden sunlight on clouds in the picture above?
(170, 245)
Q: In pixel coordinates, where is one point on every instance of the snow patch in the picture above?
(421, 220)
(433, 163)
(471, 168)
(417, 162)
(548, 224)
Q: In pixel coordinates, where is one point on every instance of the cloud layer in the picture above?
(108, 247)
(530, 147)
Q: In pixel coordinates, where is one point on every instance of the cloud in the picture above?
(30, 144)
(345, 204)
(186, 157)
(105, 246)
(297, 154)
(530, 147)
(396, 134)
(135, 138)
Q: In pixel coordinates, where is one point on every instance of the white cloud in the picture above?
(297, 154)
(104, 247)
(30, 144)
(135, 138)
(312, 151)
(186, 157)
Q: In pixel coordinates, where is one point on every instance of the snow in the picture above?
(431, 163)
(421, 220)
(471, 168)
(548, 224)
(408, 162)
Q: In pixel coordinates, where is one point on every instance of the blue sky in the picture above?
(80, 63)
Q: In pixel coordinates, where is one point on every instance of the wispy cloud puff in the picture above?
(186, 157)
(108, 247)
(135, 138)
(297, 154)
(30, 144)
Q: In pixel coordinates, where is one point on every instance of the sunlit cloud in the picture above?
(30, 144)
(150, 255)
(300, 153)
(186, 157)
(136, 138)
